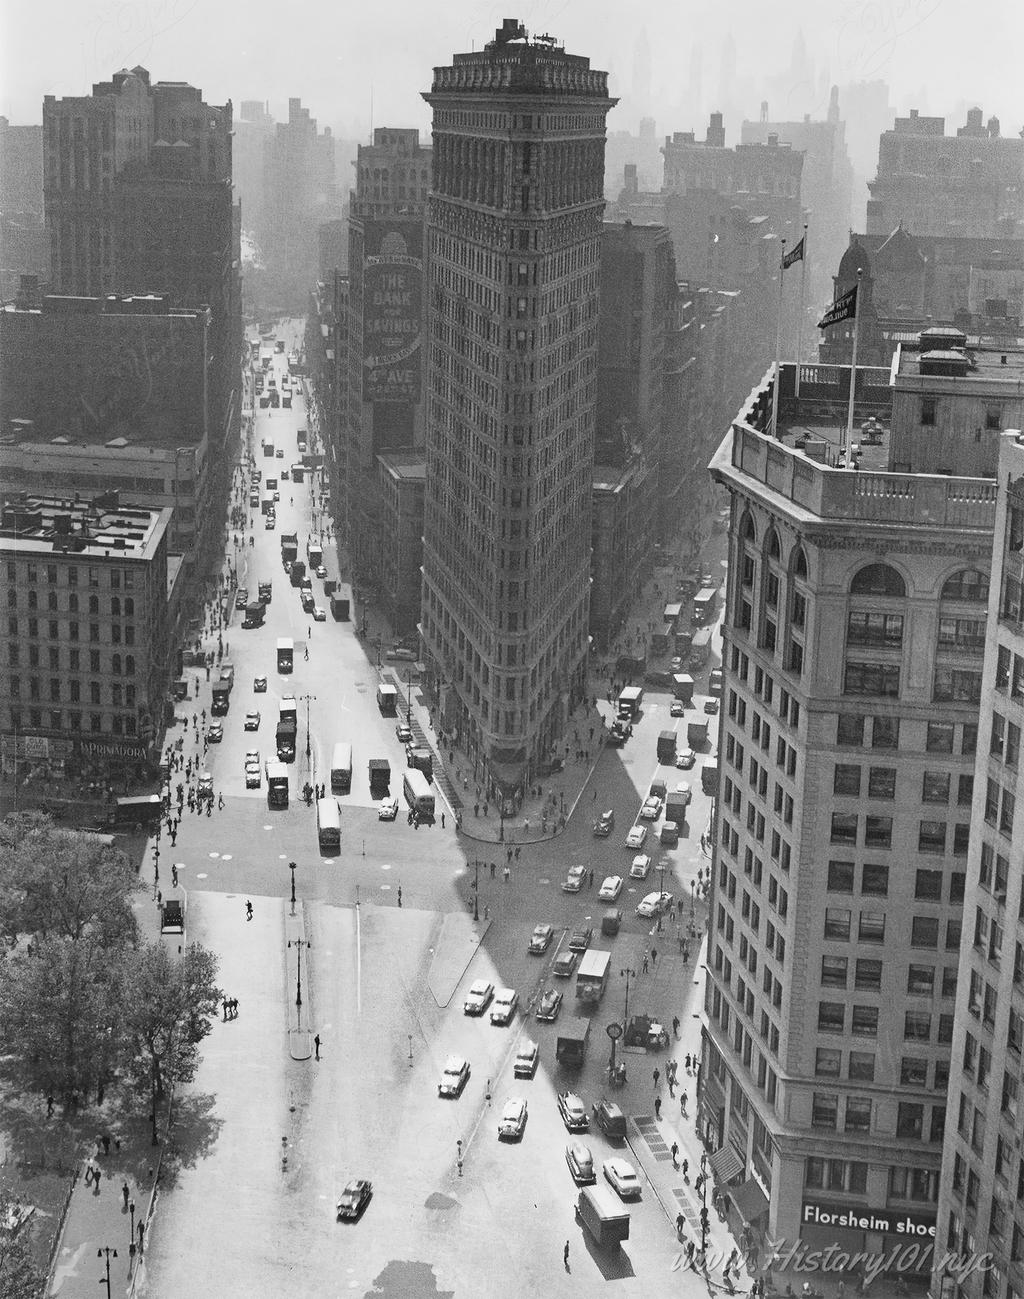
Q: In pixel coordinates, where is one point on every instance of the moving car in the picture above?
(574, 880)
(580, 939)
(527, 1058)
(573, 1112)
(354, 1198)
(279, 453)
(654, 904)
(565, 963)
(604, 824)
(505, 1002)
(252, 720)
(270, 523)
(455, 1076)
(676, 709)
(715, 682)
(319, 613)
(685, 758)
(306, 600)
(622, 1177)
(206, 785)
(241, 598)
(388, 809)
(321, 571)
(253, 776)
(404, 733)
(636, 836)
(581, 1163)
(540, 939)
(609, 1118)
(711, 706)
(641, 867)
(651, 809)
(550, 1004)
(513, 1119)
(685, 792)
(215, 732)
(478, 998)
(610, 889)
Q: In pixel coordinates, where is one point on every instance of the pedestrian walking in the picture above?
(442, 820)
(657, 1107)
(225, 1010)
(142, 1237)
(508, 875)
(97, 1174)
(565, 1256)
(105, 1139)
(49, 1107)
(591, 877)
(248, 910)
(675, 1154)
(675, 1030)
(682, 1104)
(88, 1173)
(647, 962)
(493, 864)
(656, 1076)
(174, 869)
(399, 895)
(316, 1045)
(124, 1195)
(518, 850)
(654, 956)
(688, 1061)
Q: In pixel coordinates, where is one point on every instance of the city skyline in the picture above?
(788, 55)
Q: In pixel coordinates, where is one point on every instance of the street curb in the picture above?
(480, 930)
(519, 840)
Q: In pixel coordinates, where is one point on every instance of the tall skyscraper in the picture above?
(981, 1198)
(514, 251)
(853, 633)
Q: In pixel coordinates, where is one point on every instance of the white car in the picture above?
(651, 809)
(455, 1076)
(685, 759)
(685, 792)
(574, 880)
(636, 836)
(388, 809)
(319, 613)
(513, 1119)
(623, 1178)
(478, 998)
(253, 777)
(320, 571)
(252, 721)
(641, 867)
(505, 1002)
(610, 888)
(527, 1058)
(654, 904)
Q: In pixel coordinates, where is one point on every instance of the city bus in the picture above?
(341, 768)
(704, 606)
(328, 823)
(285, 654)
(142, 810)
(418, 793)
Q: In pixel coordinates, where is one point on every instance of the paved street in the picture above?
(383, 984)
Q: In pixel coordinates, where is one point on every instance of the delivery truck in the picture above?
(289, 547)
(571, 1044)
(629, 702)
(667, 746)
(341, 602)
(697, 735)
(387, 700)
(709, 778)
(221, 699)
(604, 1216)
(277, 784)
(380, 774)
(675, 808)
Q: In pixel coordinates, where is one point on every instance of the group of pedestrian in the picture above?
(230, 1006)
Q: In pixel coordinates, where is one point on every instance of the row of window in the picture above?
(885, 631)
(922, 980)
(58, 686)
(114, 579)
(882, 680)
(118, 607)
(851, 1177)
(936, 786)
(932, 836)
(940, 737)
(910, 1117)
(117, 634)
(874, 881)
(925, 931)
(70, 720)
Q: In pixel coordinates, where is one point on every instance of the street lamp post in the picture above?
(408, 698)
(291, 867)
(106, 1252)
(307, 700)
(627, 975)
(131, 1231)
(661, 898)
(476, 890)
(299, 944)
(693, 898)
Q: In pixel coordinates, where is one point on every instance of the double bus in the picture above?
(418, 793)
(285, 654)
(341, 768)
(328, 823)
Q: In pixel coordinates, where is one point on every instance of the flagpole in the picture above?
(853, 372)
(800, 321)
(778, 347)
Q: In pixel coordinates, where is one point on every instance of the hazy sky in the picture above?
(935, 54)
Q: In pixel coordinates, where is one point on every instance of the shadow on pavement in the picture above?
(195, 1130)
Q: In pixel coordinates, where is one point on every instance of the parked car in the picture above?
(581, 1163)
(574, 880)
(241, 598)
(540, 939)
(550, 1004)
(354, 1198)
(527, 1058)
(636, 836)
(609, 1118)
(622, 1176)
(215, 732)
(610, 888)
(388, 809)
(711, 706)
(685, 792)
(641, 867)
(685, 758)
(513, 1119)
(676, 708)
(478, 998)
(654, 904)
(319, 613)
(715, 682)
(604, 824)
(573, 1112)
(321, 571)
(253, 777)
(454, 1077)
(651, 809)
(404, 733)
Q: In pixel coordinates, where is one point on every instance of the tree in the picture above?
(65, 883)
(20, 1278)
(170, 1005)
(60, 1013)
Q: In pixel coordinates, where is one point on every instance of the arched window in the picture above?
(115, 664)
(115, 606)
(878, 579)
(774, 549)
(129, 665)
(747, 528)
(799, 562)
(969, 584)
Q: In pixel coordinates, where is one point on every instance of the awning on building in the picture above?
(750, 1201)
(725, 1164)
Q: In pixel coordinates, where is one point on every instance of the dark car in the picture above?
(354, 1198)
(580, 939)
(609, 1118)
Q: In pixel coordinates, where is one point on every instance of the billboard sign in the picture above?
(392, 310)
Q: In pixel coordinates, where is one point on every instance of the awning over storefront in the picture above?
(725, 1164)
(749, 1201)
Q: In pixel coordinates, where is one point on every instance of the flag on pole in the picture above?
(795, 254)
(844, 308)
